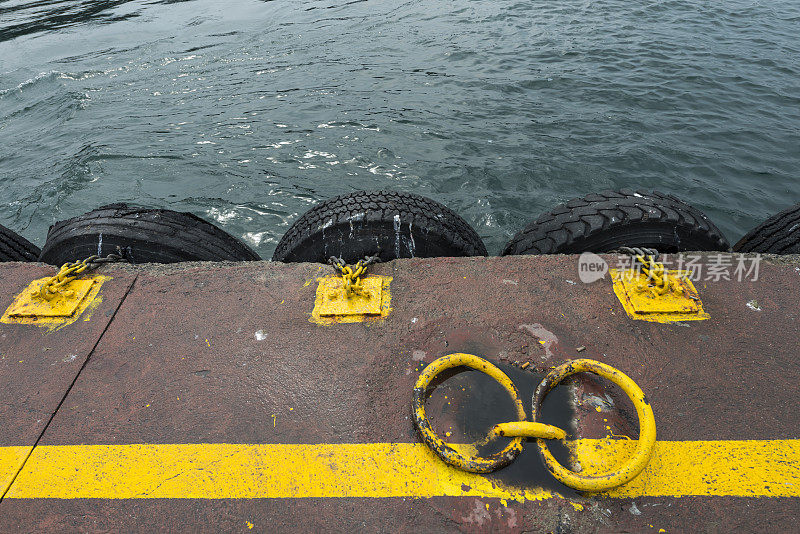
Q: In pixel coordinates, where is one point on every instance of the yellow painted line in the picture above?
(769, 468)
(11, 459)
(230, 471)
(219, 471)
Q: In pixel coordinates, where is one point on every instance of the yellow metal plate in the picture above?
(59, 312)
(332, 306)
(59, 306)
(336, 302)
(643, 302)
(670, 307)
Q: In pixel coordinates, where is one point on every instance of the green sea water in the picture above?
(247, 113)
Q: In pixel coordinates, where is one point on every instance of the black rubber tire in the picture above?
(780, 234)
(605, 221)
(145, 236)
(14, 247)
(399, 225)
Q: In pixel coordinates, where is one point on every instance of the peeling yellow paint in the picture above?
(768, 468)
(311, 280)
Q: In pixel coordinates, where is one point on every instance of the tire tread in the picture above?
(554, 232)
(438, 221)
(178, 236)
(780, 234)
(14, 247)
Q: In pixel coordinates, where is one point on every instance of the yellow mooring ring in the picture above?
(474, 464)
(519, 430)
(647, 428)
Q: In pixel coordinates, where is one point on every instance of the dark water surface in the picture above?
(248, 112)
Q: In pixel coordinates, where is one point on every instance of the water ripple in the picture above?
(247, 113)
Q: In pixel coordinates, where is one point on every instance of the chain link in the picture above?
(352, 275)
(658, 282)
(69, 271)
(639, 251)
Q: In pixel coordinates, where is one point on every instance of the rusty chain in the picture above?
(658, 282)
(70, 270)
(352, 275)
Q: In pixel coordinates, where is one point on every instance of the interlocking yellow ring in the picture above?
(474, 464)
(647, 428)
(518, 430)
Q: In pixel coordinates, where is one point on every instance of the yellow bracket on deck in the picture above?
(335, 304)
(679, 302)
(337, 301)
(62, 304)
(63, 308)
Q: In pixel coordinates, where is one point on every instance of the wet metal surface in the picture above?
(226, 354)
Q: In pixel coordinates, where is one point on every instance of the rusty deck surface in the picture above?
(212, 354)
